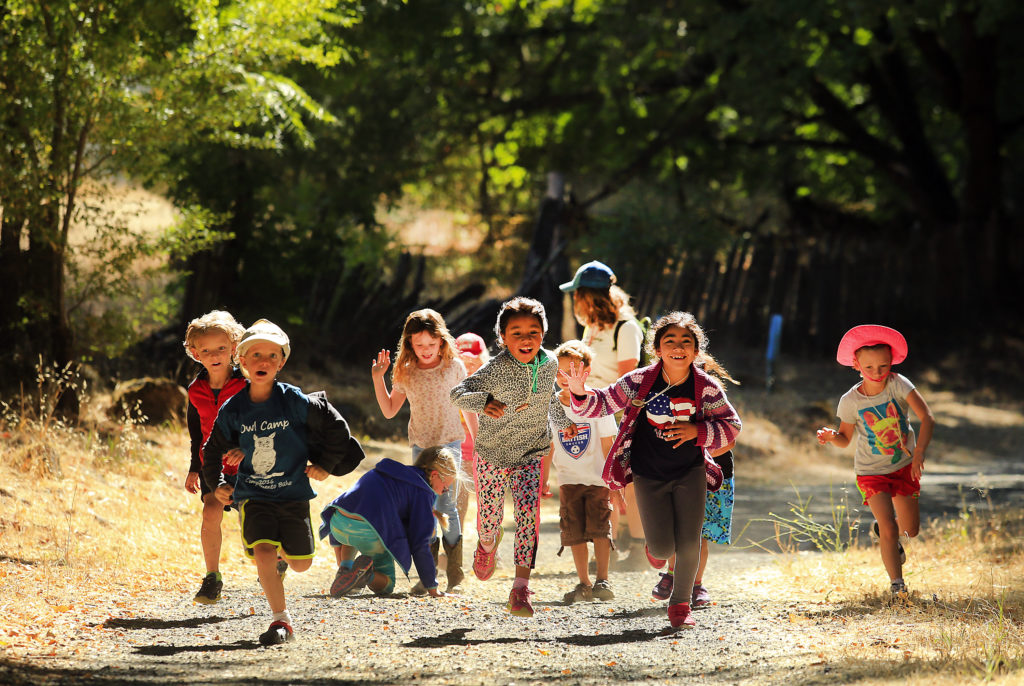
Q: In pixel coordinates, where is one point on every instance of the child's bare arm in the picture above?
(472, 423)
(924, 435)
(723, 450)
(390, 403)
(841, 438)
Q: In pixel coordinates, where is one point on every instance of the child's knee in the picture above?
(300, 565)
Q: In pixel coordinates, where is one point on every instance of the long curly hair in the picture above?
(601, 307)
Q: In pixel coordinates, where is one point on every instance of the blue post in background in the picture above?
(774, 334)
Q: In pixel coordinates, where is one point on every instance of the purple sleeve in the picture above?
(721, 425)
(604, 401)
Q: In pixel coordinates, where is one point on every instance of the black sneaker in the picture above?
(209, 592)
(282, 567)
(278, 633)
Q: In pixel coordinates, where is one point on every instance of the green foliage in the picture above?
(89, 87)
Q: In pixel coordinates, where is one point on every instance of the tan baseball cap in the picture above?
(267, 331)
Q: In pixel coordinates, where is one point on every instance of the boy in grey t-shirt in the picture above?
(888, 457)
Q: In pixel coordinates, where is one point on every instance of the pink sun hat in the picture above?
(871, 334)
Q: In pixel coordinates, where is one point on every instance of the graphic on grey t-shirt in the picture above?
(886, 426)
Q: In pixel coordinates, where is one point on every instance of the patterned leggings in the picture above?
(524, 482)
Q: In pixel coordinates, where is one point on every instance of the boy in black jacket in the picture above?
(280, 438)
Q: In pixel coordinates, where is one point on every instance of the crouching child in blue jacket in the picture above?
(388, 517)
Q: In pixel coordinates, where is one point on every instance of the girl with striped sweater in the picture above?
(676, 415)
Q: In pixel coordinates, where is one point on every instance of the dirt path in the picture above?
(749, 635)
(158, 636)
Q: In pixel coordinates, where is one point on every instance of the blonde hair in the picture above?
(601, 307)
(685, 320)
(439, 459)
(431, 322)
(215, 321)
(577, 350)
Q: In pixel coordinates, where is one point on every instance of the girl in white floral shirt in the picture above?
(427, 367)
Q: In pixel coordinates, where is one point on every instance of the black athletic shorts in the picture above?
(284, 524)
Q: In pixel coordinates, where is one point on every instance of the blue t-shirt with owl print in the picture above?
(272, 435)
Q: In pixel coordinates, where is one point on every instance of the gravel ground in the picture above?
(161, 636)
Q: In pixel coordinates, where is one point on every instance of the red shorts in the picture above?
(895, 483)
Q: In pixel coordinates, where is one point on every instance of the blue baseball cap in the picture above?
(590, 275)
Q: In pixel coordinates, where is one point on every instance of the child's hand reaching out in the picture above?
(826, 434)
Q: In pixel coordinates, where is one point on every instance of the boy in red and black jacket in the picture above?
(210, 340)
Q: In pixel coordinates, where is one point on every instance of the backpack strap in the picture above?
(615, 335)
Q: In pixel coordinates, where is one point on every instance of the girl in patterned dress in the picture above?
(427, 366)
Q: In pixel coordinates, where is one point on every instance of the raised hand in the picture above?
(575, 379)
(379, 366)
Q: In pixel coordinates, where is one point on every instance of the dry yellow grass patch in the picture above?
(964, 620)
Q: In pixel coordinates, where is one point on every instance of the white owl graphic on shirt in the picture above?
(264, 457)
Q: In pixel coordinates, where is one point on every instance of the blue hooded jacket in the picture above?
(398, 503)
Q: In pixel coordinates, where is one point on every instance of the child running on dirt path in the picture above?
(279, 438)
(676, 415)
(388, 517)
(210, 340)
(717, 528)
(515, 395)
(613, 332)
(427, 367)
(888, 458)
(585, 510)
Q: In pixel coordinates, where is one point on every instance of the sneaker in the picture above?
(579, 594)
(209, 592)
(519, 602)
(663, 589)
(350, 578)
(418, 590)
(484, 562)
(282, 567)
(655, 562)
(700, 597)
(680, 617)
(278, 633)
(603, 590)
(898, 592)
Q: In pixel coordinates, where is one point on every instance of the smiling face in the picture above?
(874, 363)
(262, 361)
(677, 348)
(522, 336)
(213, 350)
(427, 349)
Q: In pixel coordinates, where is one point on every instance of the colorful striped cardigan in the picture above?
(716, 419)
